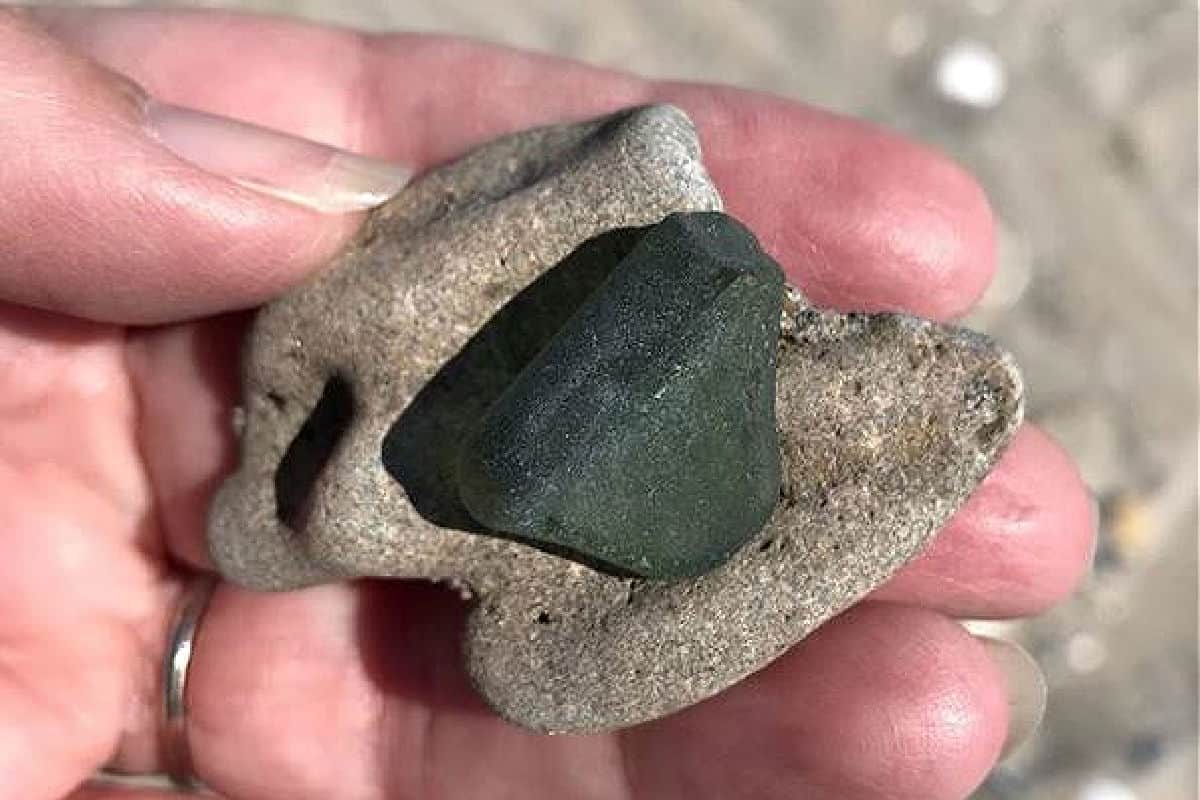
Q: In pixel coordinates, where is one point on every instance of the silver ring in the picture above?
(177, 754)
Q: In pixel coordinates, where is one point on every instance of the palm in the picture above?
(113, 439)
(83, 572)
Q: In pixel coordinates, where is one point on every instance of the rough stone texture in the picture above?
(362, 384)
(642, 438)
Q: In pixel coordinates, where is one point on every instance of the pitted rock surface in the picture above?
(360, 388)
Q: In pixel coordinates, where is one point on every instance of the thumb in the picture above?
(118, 208)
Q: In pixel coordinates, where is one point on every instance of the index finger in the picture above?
(858, 217)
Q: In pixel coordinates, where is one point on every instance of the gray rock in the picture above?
(360, 387)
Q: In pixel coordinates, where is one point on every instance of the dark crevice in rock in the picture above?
(311, 450)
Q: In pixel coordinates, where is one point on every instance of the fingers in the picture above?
(881, 702)
(858, 217)
(884, 701)
(187, 374)
(105, 213)
(375, 702)
(1020, 544)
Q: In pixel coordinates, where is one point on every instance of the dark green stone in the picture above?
(642, 438)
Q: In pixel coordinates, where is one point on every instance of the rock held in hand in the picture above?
(361, 387)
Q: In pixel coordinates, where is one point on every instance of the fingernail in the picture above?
(1026, 690)
(300, 171)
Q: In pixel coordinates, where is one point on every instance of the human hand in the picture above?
(122, 274)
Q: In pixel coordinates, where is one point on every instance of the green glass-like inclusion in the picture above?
(642, 438)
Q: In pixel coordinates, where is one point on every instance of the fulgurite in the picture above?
(361, 388)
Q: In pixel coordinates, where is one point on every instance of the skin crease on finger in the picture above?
(397, 711)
